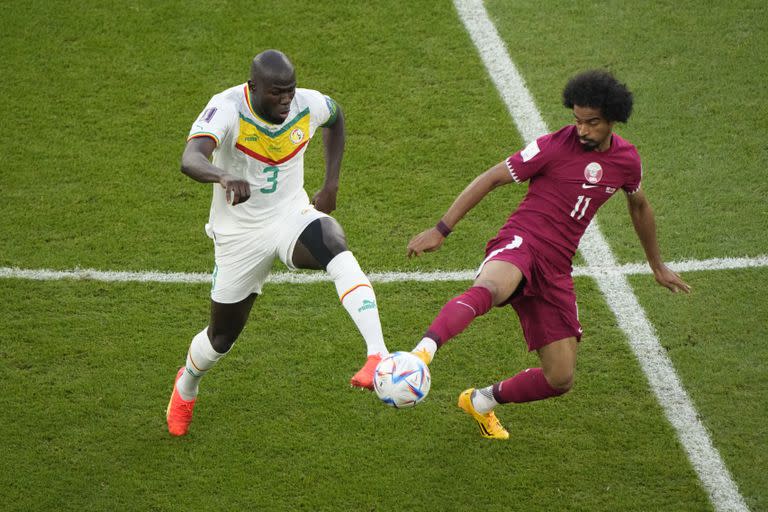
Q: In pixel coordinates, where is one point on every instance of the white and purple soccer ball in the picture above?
(401, 380)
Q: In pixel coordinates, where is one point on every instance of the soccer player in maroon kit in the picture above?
(528, 265)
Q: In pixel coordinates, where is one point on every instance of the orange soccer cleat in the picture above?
(179, 412)
(364, 377)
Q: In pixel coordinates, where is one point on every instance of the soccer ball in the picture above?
(401, 380)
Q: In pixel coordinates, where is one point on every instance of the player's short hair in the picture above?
(599, 89)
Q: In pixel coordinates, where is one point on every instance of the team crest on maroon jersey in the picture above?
(593, 172)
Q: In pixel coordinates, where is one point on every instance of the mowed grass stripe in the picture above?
(656, 365)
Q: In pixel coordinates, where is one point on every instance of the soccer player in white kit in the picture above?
(249, 141)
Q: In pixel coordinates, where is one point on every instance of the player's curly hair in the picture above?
(599, 89)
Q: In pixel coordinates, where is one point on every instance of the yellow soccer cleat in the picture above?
(179, 411)
(489, 424)
(424, 355)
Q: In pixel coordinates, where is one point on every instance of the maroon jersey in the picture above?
(568, 183)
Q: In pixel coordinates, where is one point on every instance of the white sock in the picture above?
(357, 297)
(428, 345)
(200, 358)
(483, 401)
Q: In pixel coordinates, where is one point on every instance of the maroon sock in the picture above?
(527, 386)
(458, 313)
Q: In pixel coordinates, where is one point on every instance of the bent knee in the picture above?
(561, 381)
(333, 237)
(498, 294)
(323, 239)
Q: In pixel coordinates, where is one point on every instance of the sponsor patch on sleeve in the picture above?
(530, 151)
(208, 114)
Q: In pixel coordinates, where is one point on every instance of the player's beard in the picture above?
(588, 144)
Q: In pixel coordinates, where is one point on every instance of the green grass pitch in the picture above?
(97, 98)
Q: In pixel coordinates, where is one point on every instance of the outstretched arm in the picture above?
(431, 239)
(196, 163)
(645, 226)
(334, 137)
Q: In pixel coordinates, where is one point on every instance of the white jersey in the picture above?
(270, 156)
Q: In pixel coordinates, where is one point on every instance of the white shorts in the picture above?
(244, 261)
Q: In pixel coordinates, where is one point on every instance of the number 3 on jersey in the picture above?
(271, 173)
(583, 207)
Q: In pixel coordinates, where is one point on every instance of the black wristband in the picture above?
(443, 229)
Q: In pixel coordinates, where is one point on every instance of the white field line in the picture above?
(601, 265)
(659, 371)
(596, 271)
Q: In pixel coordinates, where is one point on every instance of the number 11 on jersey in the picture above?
(583, 207)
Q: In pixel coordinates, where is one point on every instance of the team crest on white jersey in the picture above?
(297, 135)
(593, 172)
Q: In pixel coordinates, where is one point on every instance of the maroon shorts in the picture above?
(545, 302)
